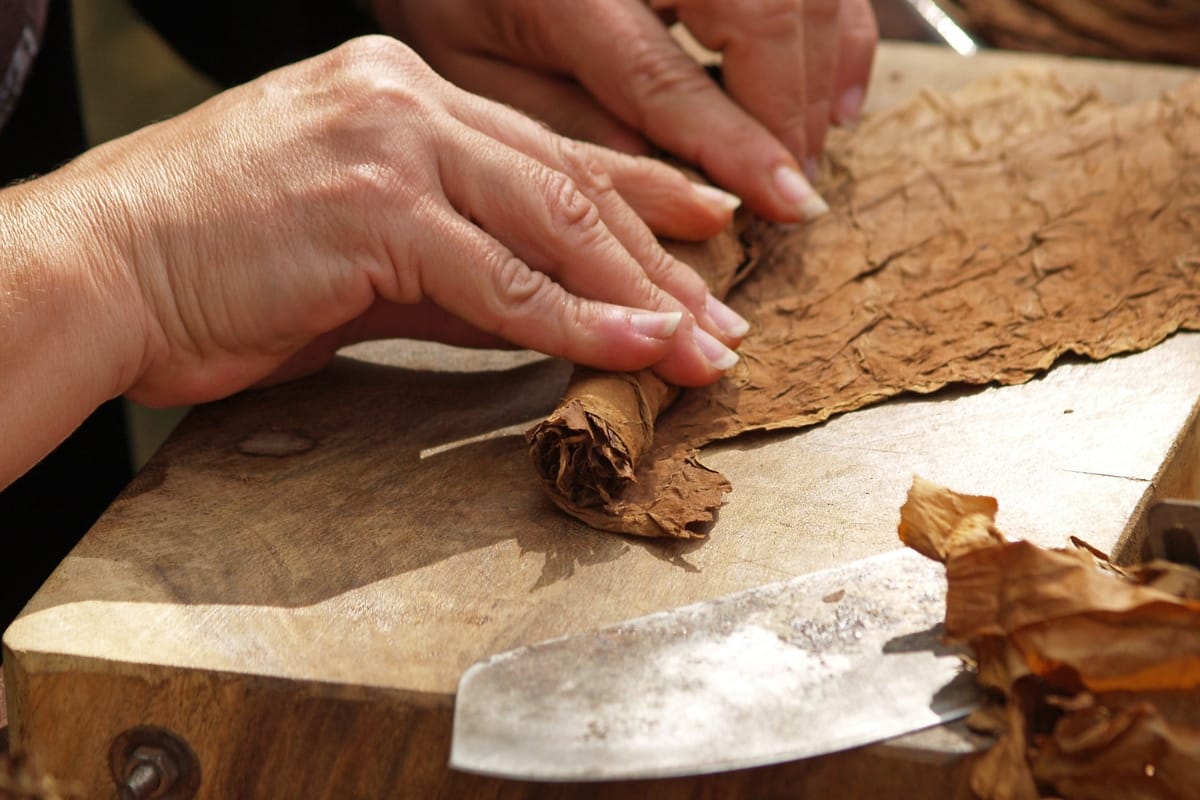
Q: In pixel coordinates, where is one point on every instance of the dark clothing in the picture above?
(45, 128)
(21, 26)
(46, 511)
(268, 33)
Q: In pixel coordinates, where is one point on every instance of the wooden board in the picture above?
(302, 620)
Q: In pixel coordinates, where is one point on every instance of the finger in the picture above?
(764, 62)
(671, 204)
(664, 270)
(554, 226)
(622, 53)
(557, 102)
(475, 277)
(305, 361)
(859, 35)
(584, 233)
(820, 38)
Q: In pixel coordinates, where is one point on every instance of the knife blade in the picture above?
(816, 664)
(943, 27)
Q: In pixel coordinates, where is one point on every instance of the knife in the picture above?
(816, 664)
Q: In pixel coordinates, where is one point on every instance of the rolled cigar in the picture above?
(586, 452)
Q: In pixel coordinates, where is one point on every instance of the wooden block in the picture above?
(296, 581)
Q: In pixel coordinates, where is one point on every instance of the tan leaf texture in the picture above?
(1027, 221)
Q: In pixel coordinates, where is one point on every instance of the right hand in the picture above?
(358, 195)
(611, 72)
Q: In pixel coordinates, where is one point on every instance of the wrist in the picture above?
(101, 301)
(72, 326)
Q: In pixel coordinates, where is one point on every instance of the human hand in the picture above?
(609, 71)
(358, 195)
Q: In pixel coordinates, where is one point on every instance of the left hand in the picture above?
(609, 71)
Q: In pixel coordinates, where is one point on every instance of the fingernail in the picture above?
(655, 324)
(849, 105)
(726, 318)
(798, 193)
(717, 354)
(716, 198)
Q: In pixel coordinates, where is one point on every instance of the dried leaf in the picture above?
(586, 452)
(940, 524)
(1083, 237)
(1099, 667)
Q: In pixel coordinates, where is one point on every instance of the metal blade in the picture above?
(943, 26)
(820, 663)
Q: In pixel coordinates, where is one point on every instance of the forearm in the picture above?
(67, 339)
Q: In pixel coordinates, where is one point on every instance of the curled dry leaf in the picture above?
(1099, 668)
(940, 525)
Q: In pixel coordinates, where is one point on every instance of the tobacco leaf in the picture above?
(1083, 238)
(934, 127)
(962, 522)
(1098, 666)
(1025, 221)
(586, 453)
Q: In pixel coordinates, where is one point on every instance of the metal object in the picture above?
(1174, 531)
(946, 28)
(820, 663)
(149, 763)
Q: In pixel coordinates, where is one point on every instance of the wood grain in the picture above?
(302, 620)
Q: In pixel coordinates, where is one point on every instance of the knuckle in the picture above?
(658, 72)
(652, 171)
(372, 184)
(377, 173)
(516, 283)
(688, 278)
(685, 284)
(572, 212)
(671, 285)
(371, 55)
(521, 294)
(520, 25)
(584, 166)
(409, 255)
(379, 77)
